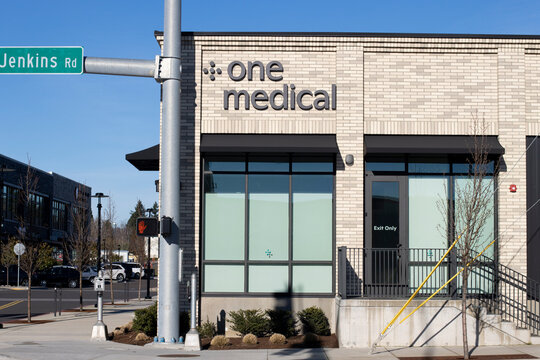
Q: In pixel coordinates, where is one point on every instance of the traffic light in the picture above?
(147, 226)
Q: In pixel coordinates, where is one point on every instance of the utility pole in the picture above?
(168, 295)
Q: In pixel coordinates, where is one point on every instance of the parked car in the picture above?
(118, 272)
(89, 273)
(23, 277)
(133, 270)
(60, 275)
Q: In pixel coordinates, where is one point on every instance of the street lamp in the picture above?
(99, 196)
(3, 169)
(148, 262)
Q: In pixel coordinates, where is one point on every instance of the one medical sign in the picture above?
(41, 60)
(147, 226)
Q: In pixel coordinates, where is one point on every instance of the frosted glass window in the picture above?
(312, 279)
(224, 278)
(312, 217)
(463, 190)
(269, 278)
(224, 217)
(268, 217)
(426, 221)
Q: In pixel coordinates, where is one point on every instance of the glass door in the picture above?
(386, 230)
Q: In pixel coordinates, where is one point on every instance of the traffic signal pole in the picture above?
(168, 295)
(167, 70)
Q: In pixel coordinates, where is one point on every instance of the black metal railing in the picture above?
(397, 273)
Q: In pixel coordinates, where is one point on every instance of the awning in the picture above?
(427, 144)
(145, 160)
(268, 143)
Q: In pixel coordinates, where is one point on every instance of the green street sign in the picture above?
(41, 60)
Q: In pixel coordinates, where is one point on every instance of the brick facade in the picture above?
(385, 85)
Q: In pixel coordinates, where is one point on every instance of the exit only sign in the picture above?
(41, 60)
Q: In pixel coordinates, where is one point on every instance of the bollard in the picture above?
(126, 291)
(193, 341)
(55, 304)
(60, 308)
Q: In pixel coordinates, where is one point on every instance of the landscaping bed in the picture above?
(293, 342)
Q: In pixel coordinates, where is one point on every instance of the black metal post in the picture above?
(98, 262)
(342, 271)
(98, 258)
(148, 263)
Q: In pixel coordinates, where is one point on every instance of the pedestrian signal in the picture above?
(147, 226)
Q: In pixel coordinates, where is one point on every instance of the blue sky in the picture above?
(81, 126)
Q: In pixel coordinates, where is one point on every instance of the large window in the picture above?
(436, 189)
(59, 215)
(10, 203)
(268, 224)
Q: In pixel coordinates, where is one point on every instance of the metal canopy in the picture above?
(269, 143)
(145, 160)
(427, 144)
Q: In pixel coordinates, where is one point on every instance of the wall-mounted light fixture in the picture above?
(349, 159)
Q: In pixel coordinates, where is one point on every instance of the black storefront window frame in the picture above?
(246, 157)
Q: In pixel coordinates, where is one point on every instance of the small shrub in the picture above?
(146, 320)
(278, 339)
(207, 329)
(310, 339)
(250, 339)
(314, 321)
(282, 322)
(219, 341)
(142, 337)
(249, 322)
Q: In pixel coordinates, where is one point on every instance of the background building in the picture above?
(49, 218)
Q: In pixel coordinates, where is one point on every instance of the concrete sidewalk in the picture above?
(68, 337)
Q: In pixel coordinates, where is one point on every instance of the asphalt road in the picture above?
(13, 304)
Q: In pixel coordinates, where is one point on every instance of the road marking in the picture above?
(5, 306)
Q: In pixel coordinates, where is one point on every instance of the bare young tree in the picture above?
(35, 251)
(78, 249)
(138, 248)
(472, 209)
(109, 241)
(8, 257)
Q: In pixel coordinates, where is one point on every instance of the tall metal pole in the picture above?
(168, 298)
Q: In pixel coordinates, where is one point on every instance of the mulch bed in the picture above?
(473, 357)
(294, 342)
(129, 338)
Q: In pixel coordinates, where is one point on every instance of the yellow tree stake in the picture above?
(414, 294)
(452, 278)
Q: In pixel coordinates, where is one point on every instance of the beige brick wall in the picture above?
(385, 85)
(428, 93)
(512, 132)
